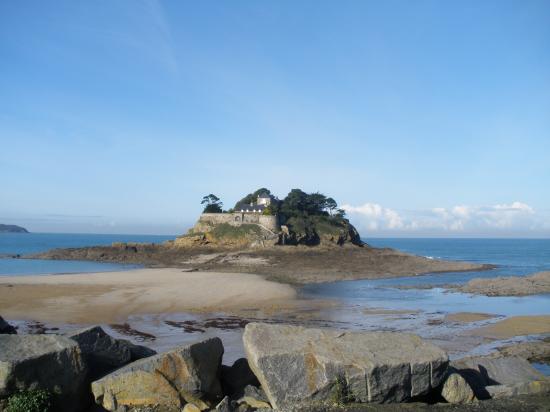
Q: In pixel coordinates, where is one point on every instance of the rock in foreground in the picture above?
(456, 389)
(500, 377)
(6, 328)
(104, 353)
(296, 365)
(168, 380)
(50, 362)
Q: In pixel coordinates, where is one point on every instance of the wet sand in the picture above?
(467, 317)
(515, 326)
(113, 296)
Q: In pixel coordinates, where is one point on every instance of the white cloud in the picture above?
(516, 217)
(376, 216)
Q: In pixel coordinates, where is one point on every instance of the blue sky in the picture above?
(422, 118)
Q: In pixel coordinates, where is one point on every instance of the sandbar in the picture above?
(113, 296)
(515, 326)
(467, 317)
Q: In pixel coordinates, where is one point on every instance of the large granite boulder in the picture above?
(187, 374)
(50, 362)
(6, 328)
(296, 365)
(104, 353)
(489, 376)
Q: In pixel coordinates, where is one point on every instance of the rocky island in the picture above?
(303, 238)
(12, 229)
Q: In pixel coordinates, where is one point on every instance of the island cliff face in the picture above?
(12, 229)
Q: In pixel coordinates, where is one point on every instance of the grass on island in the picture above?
(227, 231)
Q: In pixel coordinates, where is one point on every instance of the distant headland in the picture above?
(12, 229)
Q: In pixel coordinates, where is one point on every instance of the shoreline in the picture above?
(294, 265)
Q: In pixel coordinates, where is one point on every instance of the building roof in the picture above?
(245, 206)
(264, 196)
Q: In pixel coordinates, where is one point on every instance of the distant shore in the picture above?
(113, 296)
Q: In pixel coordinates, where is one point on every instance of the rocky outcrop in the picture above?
(491, 376)
(49, 362)
(104, 353)
(538, 283)
(319, 231)
(533, 351)
(6, 328)
(456, 389)
(296, 365)
(187, 374)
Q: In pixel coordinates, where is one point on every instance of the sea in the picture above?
(13, 244)
(419, 303)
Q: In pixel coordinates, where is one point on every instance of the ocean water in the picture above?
(28, 243)
(513, 257)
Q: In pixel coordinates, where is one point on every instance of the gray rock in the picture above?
(103, 353)
(236, 377)
(522, 388)
(6, 328)
(484, 372)
(296, 365)
(188, 372)
(224, 405)
(457, 390)
(137, 351)
(50, 362)
(254, 397)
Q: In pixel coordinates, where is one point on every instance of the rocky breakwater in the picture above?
(288, 368)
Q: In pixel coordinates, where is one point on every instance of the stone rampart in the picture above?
(237, 219)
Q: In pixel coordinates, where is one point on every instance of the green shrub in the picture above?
(225, 230)
(30, 401)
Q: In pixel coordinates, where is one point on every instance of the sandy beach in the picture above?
(113, 296)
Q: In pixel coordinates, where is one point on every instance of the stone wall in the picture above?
(237, 219)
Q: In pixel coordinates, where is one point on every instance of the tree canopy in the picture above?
(300, 204)
(297, 204)
(212, 203)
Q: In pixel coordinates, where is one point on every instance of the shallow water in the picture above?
(513, 257)
(27, 243)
